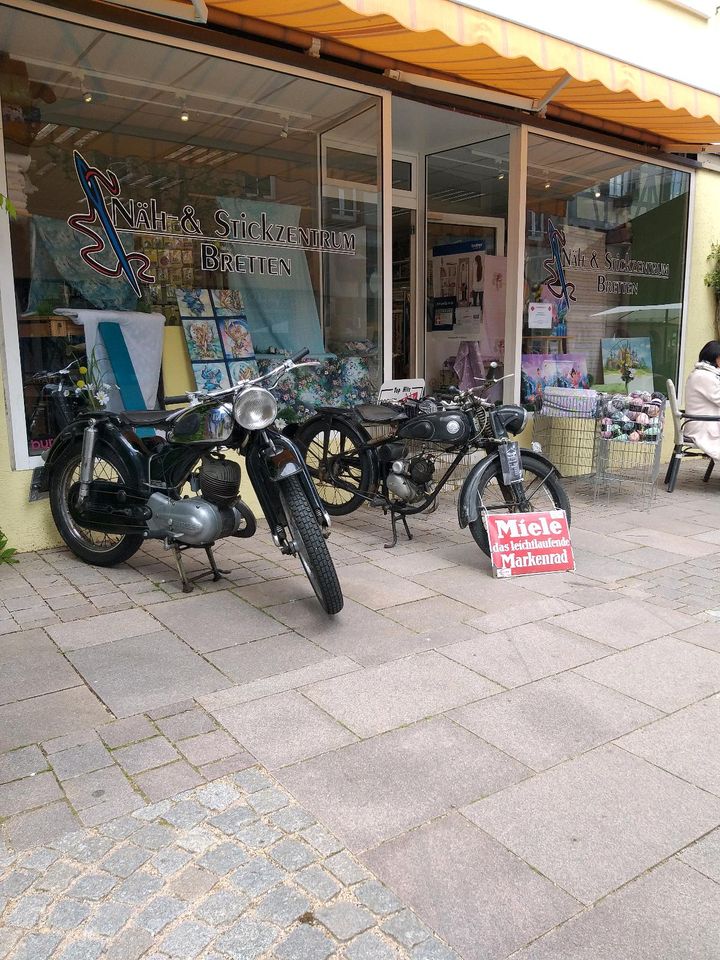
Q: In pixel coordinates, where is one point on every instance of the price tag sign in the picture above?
(510, 462)
(522, 543)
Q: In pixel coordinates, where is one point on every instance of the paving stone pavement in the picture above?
(454, 767)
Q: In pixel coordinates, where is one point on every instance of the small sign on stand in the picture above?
(397, 390)
(522, 543)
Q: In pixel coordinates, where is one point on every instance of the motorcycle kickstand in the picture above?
(188, 583)
(393, 522)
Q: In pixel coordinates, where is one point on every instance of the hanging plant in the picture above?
(712, 280)
(7, 204)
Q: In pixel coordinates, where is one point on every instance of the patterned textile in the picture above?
(338, 383)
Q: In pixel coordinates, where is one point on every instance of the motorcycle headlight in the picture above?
(255, 408)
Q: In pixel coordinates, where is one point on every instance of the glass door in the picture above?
(403, 289)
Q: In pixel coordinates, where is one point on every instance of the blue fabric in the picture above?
(56, 259)
(281, 311)
(124, 371)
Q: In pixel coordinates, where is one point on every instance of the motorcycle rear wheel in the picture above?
(310, 545)
(100, 549)
(542, 492)
(333, 456)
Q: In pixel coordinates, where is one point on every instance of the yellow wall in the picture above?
(700, 320)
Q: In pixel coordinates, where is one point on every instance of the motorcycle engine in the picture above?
(202, 520)
(409, 477)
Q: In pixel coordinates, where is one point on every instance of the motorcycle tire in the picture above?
(331, 450)
(545, 493)
(310, 545)
(99, 549)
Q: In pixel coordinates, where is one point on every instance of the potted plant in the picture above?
(712, 280)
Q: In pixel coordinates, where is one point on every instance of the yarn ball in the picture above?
(606, 434)
(643, 419)
(634, 436)
(653, 411)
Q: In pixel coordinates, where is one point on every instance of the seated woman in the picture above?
(702, 397)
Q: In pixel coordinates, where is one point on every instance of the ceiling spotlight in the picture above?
(501, 176)
(597, 194)
(284, 131)
(87, 96)
(184, 115)
(547, 185)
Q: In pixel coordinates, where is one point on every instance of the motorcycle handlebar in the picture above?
(180, 399)
(296, 357)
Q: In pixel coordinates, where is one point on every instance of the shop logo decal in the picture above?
(97, 218)
(555, 280)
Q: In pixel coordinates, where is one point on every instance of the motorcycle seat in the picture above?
(379, 413)
(148, 418)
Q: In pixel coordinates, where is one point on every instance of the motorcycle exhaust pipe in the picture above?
(87, 460)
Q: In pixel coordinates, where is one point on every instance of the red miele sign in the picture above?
(529, 543)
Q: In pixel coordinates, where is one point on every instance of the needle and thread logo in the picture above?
(555, 280)
(97, 219)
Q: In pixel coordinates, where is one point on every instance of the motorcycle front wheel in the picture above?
(310, 545)
(543, 491)
(101, 549)
(341, 470)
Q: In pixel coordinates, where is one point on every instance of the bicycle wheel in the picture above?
(310, 545)
(341, 470)
(543, 491)
(102, 549)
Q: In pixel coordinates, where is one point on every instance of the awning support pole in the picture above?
(540, 105)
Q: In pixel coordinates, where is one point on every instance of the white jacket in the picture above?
(702, 396)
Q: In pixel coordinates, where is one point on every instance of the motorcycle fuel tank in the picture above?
(445, 427)
(203, 423)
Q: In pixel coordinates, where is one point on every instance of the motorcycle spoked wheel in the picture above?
(332, 453)
(542, 492)
(101, 549)
(310, 545)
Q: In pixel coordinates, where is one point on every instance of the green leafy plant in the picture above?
(7, 204)
(712, 277)
(7, 554)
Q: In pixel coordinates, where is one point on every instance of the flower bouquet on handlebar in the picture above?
(111, 488)
(397, 472)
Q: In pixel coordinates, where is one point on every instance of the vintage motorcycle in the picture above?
(110, 488)
(397, 472)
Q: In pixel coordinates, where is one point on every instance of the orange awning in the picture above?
(476, 48)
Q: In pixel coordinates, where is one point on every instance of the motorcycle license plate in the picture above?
(510, 462)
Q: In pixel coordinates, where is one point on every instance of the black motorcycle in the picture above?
(111, 488)
(397, 471)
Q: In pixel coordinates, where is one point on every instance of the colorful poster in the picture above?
(627, 364)
(219, 345)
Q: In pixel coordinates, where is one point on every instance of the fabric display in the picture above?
(339, 382)
(218, 337)
(636, 418)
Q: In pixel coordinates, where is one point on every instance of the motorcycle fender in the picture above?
(109, 433)
(468, 500)
(266, 468)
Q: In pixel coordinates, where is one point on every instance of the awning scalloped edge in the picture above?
(469, 28)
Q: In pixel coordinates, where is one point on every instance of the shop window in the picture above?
(604, 271)
(155, 180)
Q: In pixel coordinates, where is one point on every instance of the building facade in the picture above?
(406, 196)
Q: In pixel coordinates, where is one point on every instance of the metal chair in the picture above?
(684, 447)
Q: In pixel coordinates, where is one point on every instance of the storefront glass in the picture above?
(239, 204)
(467, 208)
(604, 271)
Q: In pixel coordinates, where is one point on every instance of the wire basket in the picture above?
(567, 429)
(628, 464)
